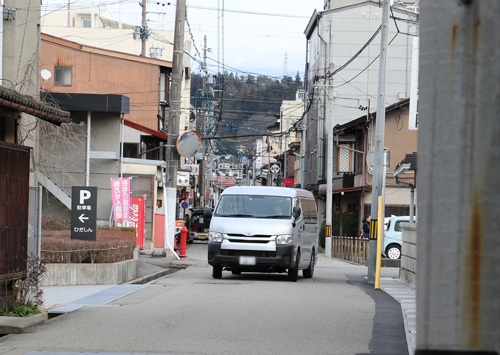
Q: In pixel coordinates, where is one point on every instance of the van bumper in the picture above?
(282, 258)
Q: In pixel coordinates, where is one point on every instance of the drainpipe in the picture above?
(87, 162)
(412, 190)
(122, 138)
(1, 41)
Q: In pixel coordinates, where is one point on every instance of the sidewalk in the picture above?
(406, 295)
(63, 299)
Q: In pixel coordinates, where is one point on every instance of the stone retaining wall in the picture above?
(408, 271)
(92, 274)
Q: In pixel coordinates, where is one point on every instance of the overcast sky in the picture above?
(255, 36)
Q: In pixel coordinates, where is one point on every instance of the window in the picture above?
(86, 21)
(131, 150)
(397, 227)
(62, 75)
(345, 158)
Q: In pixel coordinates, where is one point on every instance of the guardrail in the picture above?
(349, 248)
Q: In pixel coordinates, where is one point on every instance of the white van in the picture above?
(264, 229)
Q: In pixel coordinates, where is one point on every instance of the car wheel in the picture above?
(393, 251)
(217, 272)
(293, 273)
(309, 272)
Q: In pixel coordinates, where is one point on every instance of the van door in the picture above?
(309, 232)
(305, 248)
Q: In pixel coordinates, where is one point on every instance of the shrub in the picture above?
(65, 250)
(55, 223)
(21, 298)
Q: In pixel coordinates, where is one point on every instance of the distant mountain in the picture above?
(241, 105)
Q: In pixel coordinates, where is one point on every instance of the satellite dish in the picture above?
(188, 143)
(46, 74)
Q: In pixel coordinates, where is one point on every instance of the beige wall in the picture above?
(399, 139)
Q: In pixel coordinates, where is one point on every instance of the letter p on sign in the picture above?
(84, 195)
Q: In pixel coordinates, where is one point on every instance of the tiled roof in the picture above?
(24, 103)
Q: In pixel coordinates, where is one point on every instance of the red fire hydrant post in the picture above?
(184, 235)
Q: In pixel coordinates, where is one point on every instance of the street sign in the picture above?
(275, 169)
(83, 212)
(184, 205)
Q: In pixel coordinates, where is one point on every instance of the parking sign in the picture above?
(83, 212)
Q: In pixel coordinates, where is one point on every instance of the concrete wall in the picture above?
(408, 271)
(92, 274)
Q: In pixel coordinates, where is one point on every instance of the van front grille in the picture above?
(250, 236)
(266, 254)
(248, 241)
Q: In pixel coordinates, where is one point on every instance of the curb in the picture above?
(17, 325)
(148, 278)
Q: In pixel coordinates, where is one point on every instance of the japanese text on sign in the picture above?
(120, 192)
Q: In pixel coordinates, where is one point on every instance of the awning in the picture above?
(322, 189)
(24, 103)
(112, 103)
(146, 130)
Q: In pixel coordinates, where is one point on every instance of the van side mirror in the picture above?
(296, 212)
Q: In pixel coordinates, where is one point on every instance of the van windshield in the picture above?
(253, 206)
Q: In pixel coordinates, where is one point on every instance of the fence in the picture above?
(349, 248)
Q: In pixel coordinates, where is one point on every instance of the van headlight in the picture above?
(284, 239)
(215, 237)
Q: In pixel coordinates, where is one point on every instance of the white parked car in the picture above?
(393, 237)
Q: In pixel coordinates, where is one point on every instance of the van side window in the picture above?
(314, 213)
(309, 210)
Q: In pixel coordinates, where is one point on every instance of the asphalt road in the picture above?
(189, 312)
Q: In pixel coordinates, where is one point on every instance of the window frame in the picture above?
(63, 69)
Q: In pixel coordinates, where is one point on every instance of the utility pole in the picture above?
(378, 162)
(457, 276)
(172, 156)
(144, 28)
(329, 154)
(203, 180)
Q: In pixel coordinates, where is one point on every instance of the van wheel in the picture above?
(309, 272)
(217, 272)
(393, 251)
(293, 273)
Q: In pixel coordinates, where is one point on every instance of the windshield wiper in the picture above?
(239, 215)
